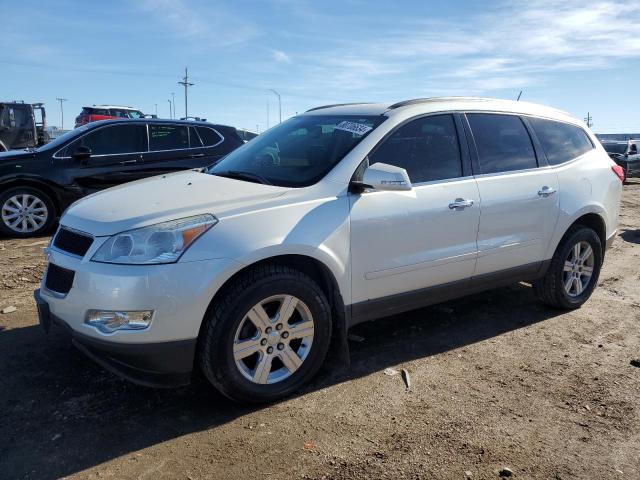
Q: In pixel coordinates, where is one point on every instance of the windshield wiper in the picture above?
(251, 177)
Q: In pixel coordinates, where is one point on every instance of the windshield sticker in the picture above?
(357, 128)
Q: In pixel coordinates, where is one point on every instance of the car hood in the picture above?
(164, 198)
(13, 155)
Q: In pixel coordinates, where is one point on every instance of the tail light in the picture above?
(619, 171)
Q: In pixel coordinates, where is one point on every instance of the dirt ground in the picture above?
(497, 380)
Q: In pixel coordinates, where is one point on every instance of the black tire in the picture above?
(224, 317)
(46, 200)
(550, 288)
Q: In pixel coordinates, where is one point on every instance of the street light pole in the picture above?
(170, 111)
(156, 109)
(173, 102)
(279, 104)
(61, 111)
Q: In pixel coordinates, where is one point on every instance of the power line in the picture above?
(185, 83)
(61, 111)
(588, 120)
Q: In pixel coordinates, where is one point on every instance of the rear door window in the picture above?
(560, 141)
(194, 139)
(168, 137)
(209, 136)
(503, 143)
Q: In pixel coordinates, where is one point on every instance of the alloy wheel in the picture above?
(273, 339)
(578, 269)
(24, 213)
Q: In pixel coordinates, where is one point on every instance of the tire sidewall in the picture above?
(226, 372)
(4, 196)
(581, 235)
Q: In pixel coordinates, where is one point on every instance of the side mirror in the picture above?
(384, 177)
(82, 154)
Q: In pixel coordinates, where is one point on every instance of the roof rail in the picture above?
(415, 101)
(337, 105)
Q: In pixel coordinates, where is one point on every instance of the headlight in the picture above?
(160, 243)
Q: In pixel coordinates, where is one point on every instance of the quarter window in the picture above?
(209, 136)
(168, 137)
(118, 139)
(427, 148)
(561, 142)
(503, 143)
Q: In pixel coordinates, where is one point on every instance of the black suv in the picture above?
(36, 185)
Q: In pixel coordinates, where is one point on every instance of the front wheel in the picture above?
(266, 336)
(25, 212)
(574, 270)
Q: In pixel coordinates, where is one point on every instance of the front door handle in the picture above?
(196, 155)
(460, 204)
(546, 191)
(127, 162)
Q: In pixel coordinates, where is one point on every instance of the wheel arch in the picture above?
(33, 183)
(316, 270)
(593, 220)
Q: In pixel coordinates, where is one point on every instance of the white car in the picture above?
(250, 269)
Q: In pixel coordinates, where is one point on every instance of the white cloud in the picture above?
(211, 24)
(511, 45)
(280, 56)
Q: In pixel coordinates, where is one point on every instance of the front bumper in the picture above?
(179, 295)
(163, 364)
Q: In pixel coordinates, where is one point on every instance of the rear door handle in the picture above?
(546, 191)
(460, 204)
(127, 162)
(196, 155)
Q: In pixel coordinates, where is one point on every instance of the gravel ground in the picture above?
(497, 380)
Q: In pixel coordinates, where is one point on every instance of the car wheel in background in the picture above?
(266, 335)
(25, 212)
(574, 270)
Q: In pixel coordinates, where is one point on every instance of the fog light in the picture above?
(108, 321)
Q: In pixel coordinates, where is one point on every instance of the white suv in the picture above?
(250, 269)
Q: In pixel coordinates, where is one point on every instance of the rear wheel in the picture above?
(266, 336)
(25, 212)
(574, 270)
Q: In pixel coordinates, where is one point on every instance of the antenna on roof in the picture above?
(519, 95)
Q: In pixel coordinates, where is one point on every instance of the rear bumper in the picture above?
(161, 364)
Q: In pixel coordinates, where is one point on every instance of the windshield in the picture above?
(298, 152)
(58, 141)
(615, 147)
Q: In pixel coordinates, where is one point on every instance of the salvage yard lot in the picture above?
(497, 380)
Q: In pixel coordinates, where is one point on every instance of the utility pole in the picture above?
(170, 110)
(588, 120)
(279, 104)
(173, 102)
(61, 111)
(185, 83)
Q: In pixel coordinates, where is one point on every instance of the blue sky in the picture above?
(575, 55)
